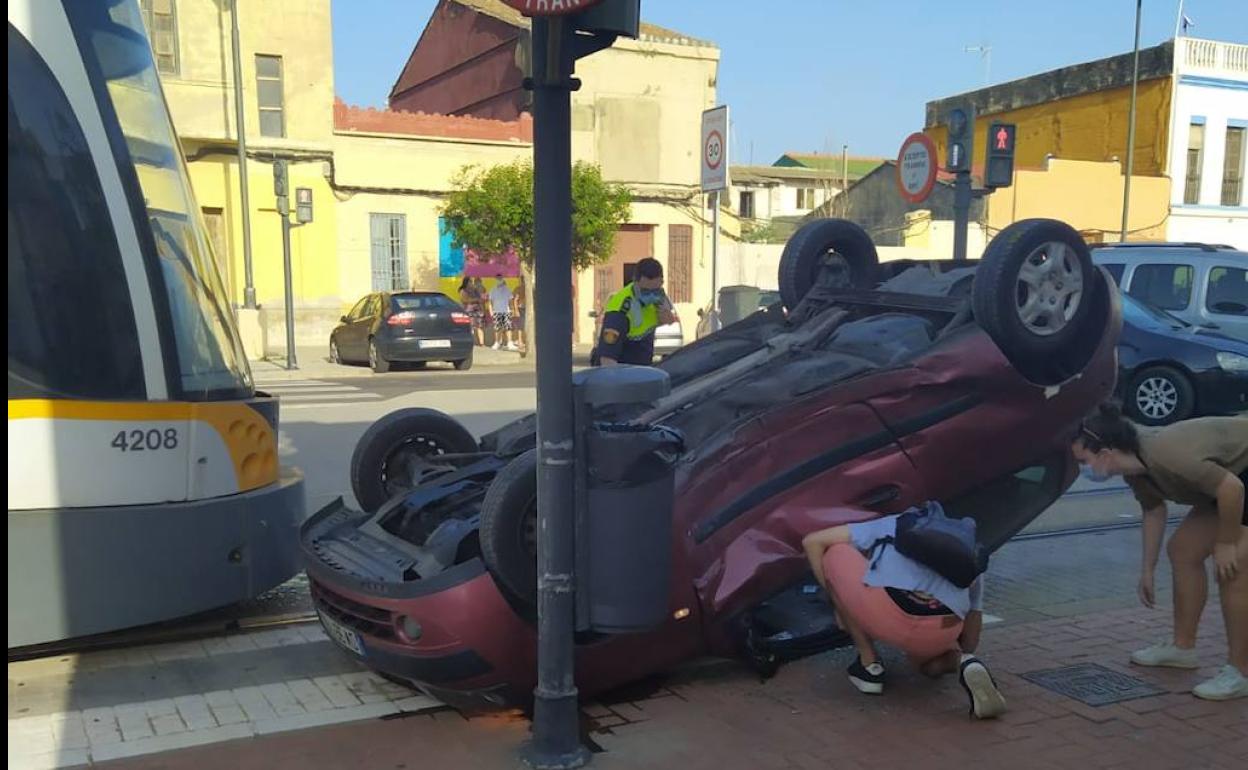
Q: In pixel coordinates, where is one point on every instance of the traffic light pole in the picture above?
(556, 724)
(962, 195)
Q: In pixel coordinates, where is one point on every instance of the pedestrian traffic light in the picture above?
(960, 123)
(999, 161)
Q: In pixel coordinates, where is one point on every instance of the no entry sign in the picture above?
(550, 7)
(916, 168)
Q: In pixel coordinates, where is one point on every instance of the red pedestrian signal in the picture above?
(999, 164)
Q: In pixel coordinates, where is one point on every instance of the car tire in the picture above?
(376, 360)
(1033, 294)
(803, 262)
(335, 356)
(463, 364)
(407, 436)
(1160, 395)
(508, 530)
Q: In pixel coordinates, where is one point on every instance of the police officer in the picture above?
(630, 317)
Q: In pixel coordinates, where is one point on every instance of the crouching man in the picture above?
(882, 595)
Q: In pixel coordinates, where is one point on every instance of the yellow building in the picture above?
(378, 178)
(287, 80)
(1191, 142)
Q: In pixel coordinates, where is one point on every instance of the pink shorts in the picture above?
(922, 637)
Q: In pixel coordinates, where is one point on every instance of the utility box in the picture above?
(626, 480)
(737, 302)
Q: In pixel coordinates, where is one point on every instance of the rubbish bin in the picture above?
(630, 490)
(625, 490)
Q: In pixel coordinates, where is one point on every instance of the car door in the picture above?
(364, 326)
(1225, 301)
(345, 334)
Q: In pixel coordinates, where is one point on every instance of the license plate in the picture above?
(341, 634)
(435, 343)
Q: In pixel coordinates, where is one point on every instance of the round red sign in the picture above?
(916, 168)
(550, 7)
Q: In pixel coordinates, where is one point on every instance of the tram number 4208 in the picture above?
(150, 440)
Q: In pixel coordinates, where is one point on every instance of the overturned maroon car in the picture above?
(870, 388)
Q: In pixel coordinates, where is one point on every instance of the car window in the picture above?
(1140, 314)
(1169, 287)
(1228, 291)
(420, 302)
(1115, 269)
(373, 308)
(357, 312)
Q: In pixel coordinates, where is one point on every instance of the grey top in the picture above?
(889, 569)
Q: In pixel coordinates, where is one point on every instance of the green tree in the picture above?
(490, 209)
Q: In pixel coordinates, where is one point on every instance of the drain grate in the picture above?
(1093, 684)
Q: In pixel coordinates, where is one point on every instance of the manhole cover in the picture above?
(1094, 685)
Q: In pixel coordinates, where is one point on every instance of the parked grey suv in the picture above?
(1203, 284)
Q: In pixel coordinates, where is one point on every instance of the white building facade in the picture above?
(1209, 143)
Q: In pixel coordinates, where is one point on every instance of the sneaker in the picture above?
(1227, 685)
(513, 347)
(987, 701)
(868, 679)
(497, 346)
(1165, 654)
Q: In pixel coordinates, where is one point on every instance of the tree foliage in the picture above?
(491, 210)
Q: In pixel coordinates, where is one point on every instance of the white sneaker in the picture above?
(497, 346)
(1227, 685)
(1167, 655)
(987, 702)
(513, 347)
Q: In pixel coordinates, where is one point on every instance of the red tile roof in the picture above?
(367, 119)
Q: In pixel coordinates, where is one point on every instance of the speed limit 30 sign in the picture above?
(715, 149)
(916, 168)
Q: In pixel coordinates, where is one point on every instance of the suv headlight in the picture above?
(1233, 362)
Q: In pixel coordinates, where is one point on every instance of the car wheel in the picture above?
(463, 364)
(398, 451)
(334, 356)
(509, 528)
(826, 252)
(1160, 395)
(376, 361)
(1033, 294)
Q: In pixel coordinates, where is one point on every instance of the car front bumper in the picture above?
(1221, 392)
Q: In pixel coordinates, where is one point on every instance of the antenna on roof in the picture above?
(985, 54)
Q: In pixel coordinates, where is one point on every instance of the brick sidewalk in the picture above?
(809, 716)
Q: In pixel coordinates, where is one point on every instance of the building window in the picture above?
(1168, 287)
(806, 198)
(388, 246)
(269, 95)
(680, 263)
(161, 20)
(747, 205)
(1228, 291)
(1233, 167)
(1195, 156)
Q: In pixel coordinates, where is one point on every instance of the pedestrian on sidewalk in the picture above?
(1202, 463)
(500, 302)
(471, 299)
(903, 603)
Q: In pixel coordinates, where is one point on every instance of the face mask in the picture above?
(650, 296)
(1097, 476)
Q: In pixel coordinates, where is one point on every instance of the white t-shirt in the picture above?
(889, 569)
(500, 298)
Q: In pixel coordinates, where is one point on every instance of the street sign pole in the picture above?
(556, 737)
(714, 181)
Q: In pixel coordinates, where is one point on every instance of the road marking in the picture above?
(130, 729)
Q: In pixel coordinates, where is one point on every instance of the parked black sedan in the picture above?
(1170, 370)
(413, 327)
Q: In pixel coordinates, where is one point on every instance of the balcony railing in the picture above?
(1212, 57)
